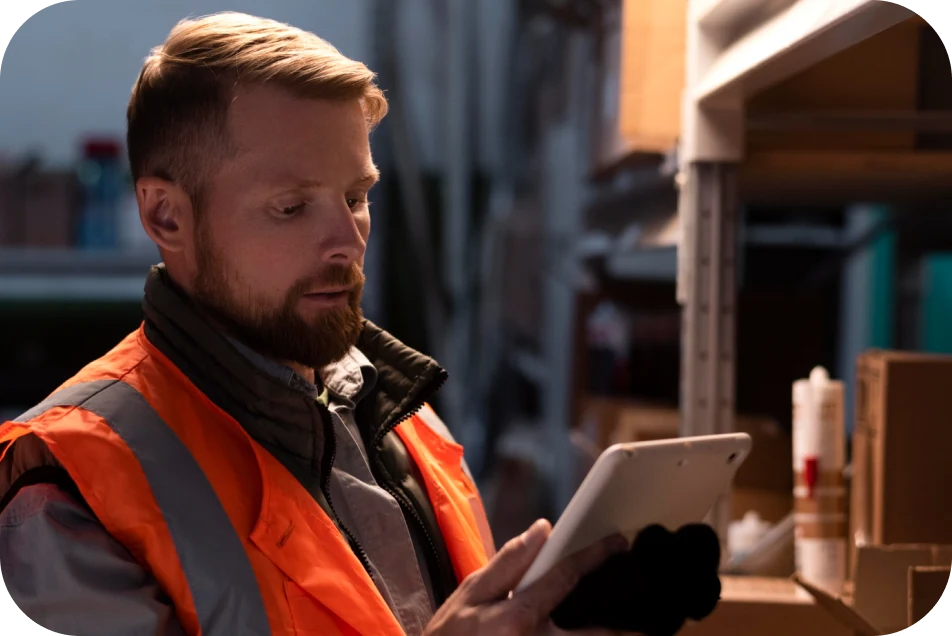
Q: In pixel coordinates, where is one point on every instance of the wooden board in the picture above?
(652, 73)
(878, 74)
(841, 177)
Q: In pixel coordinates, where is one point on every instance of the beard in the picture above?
(279, 331)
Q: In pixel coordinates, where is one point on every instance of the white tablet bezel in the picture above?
(667, 482)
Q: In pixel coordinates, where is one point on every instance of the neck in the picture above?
(305, 372)
(181, 282)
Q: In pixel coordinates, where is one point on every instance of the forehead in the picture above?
(274, 129)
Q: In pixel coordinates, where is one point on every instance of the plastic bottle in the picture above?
(743, 535)
(819, 455)
(100, 173)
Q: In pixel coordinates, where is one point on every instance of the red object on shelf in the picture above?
(811, 471)
(101, 148)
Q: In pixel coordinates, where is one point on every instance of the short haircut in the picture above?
(178, 112)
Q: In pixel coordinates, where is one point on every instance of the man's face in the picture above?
(280, 241)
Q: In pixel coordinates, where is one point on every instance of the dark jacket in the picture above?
(284, 418)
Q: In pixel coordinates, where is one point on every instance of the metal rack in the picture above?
(726, 64)
(72, 275)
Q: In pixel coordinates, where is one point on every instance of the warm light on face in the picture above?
(279, 250)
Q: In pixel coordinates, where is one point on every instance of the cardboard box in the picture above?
(754, 606)
(653, 47)
(926, 586)
(880, 583)
(840, 608)
(764, 482)
(770, 463)
(942, 554)
(877, 601)
(900, 449)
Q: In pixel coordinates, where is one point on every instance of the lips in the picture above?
(330, 292)
(327, 298)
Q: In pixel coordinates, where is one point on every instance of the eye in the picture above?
(291, 210)
(353, 203)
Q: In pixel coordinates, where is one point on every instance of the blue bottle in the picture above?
(100, 173)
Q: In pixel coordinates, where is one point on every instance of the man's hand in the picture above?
(485, 605)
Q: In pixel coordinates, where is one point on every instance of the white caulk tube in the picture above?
(819, 493)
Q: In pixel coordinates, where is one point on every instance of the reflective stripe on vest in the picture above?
(219, 575)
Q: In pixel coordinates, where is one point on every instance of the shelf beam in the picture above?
(71, 275)
(796, 38)
(840, 177)
(652, 264)
(72, 288)
(923, 121)
(733, 15)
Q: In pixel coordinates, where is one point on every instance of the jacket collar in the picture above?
(269, 404)
(307, 547)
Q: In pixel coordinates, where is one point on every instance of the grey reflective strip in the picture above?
(219, 574)
(70, 396)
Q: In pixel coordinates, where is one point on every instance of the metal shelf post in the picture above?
(709, 298)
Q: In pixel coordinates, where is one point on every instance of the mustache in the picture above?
(332, 276)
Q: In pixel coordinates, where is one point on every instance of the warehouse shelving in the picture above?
(73, 275)
(726, 66)
(736, 50)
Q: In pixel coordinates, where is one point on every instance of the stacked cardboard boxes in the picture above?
(901, 445)
(901, 526)
(893, 587)
(754, 606)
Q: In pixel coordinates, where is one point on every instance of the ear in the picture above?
(166, 212)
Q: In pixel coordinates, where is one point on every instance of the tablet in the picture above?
(631, 486)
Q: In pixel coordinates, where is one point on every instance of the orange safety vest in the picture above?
(231, 536)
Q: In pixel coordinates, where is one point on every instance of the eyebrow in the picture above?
(368, 180)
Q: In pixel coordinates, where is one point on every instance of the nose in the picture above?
(341, 239)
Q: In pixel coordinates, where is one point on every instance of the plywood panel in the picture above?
(652, 73)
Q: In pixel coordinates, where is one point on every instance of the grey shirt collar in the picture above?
(348, 380)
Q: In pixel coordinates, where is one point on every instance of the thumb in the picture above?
(510, 564)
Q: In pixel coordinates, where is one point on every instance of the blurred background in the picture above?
(527, 227)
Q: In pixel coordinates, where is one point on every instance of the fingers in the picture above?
(507, 568)
(545, 594)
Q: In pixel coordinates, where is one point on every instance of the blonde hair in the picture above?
(178, 112)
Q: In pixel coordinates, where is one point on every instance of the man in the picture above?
(256, 458)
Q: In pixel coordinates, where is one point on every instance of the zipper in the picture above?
(355, 546)
(422, 397)
(402, 499)
(439, 585)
